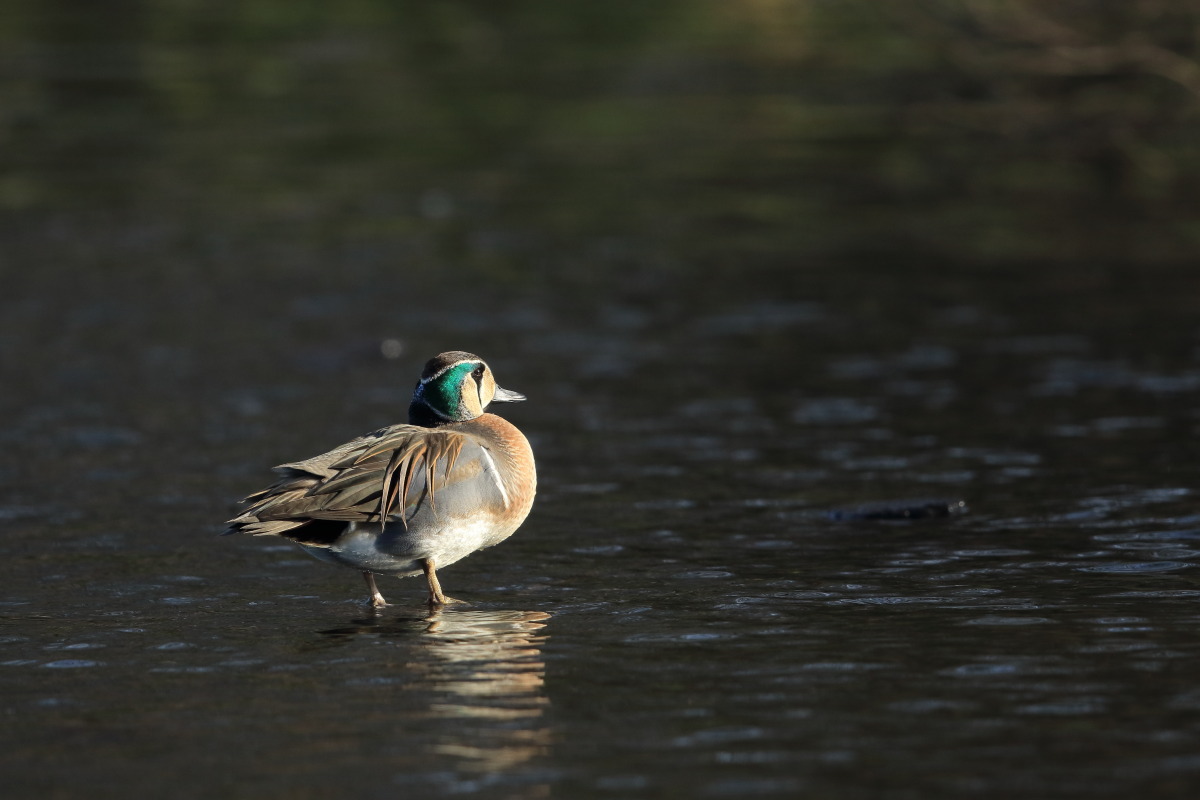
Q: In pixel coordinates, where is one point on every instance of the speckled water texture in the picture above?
(215, 260)
(680, 614)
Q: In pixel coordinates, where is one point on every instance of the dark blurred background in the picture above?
(189, 180)
(558, 145)
(749, 259)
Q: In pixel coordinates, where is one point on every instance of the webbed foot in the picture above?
(446, 601)
(436, 598)
(376, 600)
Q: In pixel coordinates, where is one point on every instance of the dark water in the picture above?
(747, 277)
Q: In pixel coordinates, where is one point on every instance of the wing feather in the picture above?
(384, 475)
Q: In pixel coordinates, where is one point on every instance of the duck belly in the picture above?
(401, 552)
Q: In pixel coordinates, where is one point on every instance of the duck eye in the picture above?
(477, 373)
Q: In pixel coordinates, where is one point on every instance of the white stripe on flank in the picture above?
(495, 474)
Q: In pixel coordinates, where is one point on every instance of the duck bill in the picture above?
(506, 396)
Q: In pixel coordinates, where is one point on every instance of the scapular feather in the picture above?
(354, 483)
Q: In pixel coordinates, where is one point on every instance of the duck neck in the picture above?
(421, 414)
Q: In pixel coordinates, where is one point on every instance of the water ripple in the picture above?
(891, 600)
(1135, 567)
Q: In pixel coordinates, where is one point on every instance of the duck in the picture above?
(409, 499)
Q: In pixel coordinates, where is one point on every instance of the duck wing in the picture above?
(386, 475)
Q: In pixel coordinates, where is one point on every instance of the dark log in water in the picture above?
(900, 510)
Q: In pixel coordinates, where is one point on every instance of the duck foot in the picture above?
(436, 598)
(376, 599)
(447, 601)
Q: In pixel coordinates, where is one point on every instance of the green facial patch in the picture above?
(444, 393)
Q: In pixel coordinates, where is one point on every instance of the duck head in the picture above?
(455, 387)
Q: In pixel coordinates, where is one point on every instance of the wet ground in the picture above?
(693, 609)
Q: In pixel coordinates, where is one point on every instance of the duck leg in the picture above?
(376, 600)
(436, 598)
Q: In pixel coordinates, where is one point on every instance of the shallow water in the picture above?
(723, 345)
(680, 615)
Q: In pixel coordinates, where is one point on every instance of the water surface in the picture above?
(744, 287)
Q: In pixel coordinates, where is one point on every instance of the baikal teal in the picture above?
(408, 499)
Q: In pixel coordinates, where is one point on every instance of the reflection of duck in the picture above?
(491, 664)
(483, 673)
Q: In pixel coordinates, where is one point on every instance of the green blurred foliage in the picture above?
(501, 136)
